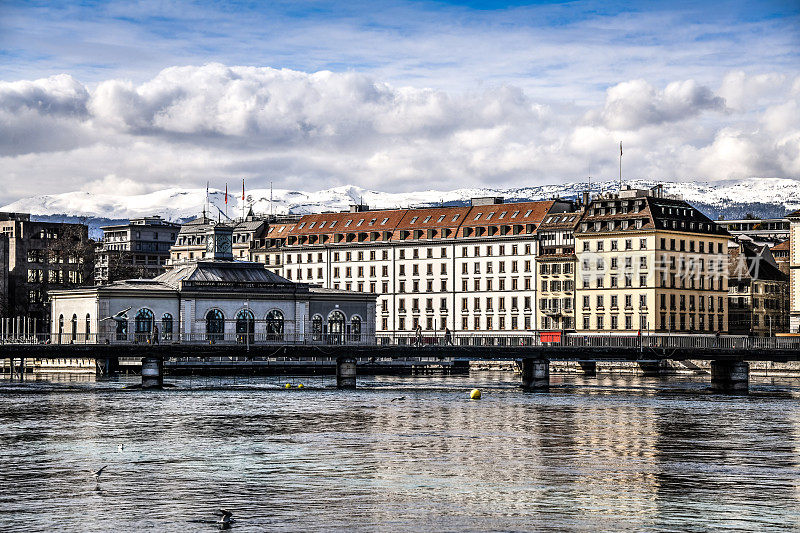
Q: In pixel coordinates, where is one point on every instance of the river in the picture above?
(592, 454)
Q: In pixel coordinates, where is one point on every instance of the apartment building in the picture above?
(758, 299)
(462, 268)
(4, 275)
(138, 249)
(794, 272)
(43, 256)
(556, 270)
(648, 262)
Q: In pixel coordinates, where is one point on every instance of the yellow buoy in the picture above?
(300, 386)
(475, 394)
(287, 386)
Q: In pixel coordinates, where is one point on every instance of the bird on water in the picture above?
(98, 472)
(398, 399)
(226, 518)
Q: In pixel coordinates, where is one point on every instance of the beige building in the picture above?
(646, 262)
(794, 272)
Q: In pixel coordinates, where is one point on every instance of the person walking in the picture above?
(419, 335)
(155, 334)
(448, 337)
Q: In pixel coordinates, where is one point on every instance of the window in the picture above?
(215, 325)
(245, 327)
(166, 327)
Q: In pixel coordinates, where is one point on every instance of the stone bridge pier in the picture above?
(535, 374)
(730, 376)
(346, 372)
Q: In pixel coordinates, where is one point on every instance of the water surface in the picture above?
(629, 454)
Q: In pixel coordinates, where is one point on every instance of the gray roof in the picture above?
(221, 271)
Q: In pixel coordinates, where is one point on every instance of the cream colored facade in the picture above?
(635, 281)
(650, 263)
(794, 272)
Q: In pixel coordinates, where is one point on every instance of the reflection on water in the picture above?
(592, 454)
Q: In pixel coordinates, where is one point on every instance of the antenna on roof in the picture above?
(620, 166)
(270, 198)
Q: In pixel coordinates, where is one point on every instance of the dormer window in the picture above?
(455, 218)
(301, 225)
(502, 215)
(384, 221)
(514, 215)
(528, 213)
(440, 219)
(322, 224)
(333, 223)
(489, 216)
(312, 225)
(373, 221)
(426, 220)
(360, 222)
(413, 220)
(477, 216)
(347, 224)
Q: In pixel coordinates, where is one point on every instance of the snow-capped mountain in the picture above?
(767, 197)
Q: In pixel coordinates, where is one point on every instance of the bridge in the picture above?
(729, 355)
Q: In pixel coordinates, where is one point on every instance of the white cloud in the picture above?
(188, 125)
(634, 104)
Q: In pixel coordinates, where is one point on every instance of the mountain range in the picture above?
(762, 197)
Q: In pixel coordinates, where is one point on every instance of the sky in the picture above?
(136, 96)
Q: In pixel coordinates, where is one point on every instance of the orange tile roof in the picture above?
(516, 213)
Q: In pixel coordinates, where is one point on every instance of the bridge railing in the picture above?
(276, 339)
(411, 339)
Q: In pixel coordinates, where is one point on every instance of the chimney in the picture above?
(585, 198)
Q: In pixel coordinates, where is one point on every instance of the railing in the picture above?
(244, 339)
(426, 338)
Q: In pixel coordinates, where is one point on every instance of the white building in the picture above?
(213, 300)
(470, 268)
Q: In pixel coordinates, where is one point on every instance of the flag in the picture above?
(242, 189)
(620, 148)
(226, 194)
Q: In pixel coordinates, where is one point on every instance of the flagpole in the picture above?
(242, 198)
(620, 166)
(226, 199)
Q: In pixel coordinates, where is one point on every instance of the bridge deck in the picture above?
(778, 353)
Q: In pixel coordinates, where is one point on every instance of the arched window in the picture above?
(336, 323)
(166, 327)
(88, 327)
(60, 327)
(274, 325)
(74, 324)
(215, 326)
(316, 328)
(355, 328)
(245, 326)
(144, 325)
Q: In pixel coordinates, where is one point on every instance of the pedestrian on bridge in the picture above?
(419, 335)
(155, 334)
(448, 337)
